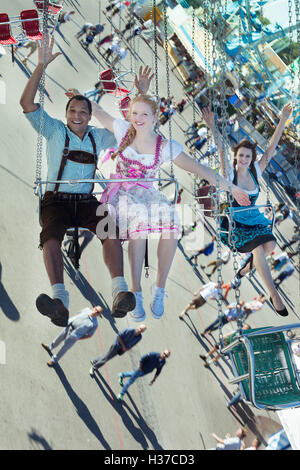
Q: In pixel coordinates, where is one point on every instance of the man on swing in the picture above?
(72, 153)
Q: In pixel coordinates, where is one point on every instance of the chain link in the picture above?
(41, 88)
(297, 93)
(168, 84)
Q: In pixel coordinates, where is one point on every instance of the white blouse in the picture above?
(120, 128)
(258, 173)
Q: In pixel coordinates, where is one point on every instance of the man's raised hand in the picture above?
(45, 54)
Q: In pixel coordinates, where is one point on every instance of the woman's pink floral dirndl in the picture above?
(140, 209)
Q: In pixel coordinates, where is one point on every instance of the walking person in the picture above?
(89, 38)
(209, 358)
(81, 326)
(231, 443)
(209, 291)
(147, 364)
(113, 48)
(32, 46)
(206, 250)
(256, 304)
(224, 259)
(96, 93)
(120, 55)
(233, 312)
(65, 16)
(280, 260)
(295, 238)
(199, 133)
(284, 274)
(84, 30)
(107, 39)
(125, 340)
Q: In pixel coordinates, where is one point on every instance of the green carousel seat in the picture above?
(264, 368)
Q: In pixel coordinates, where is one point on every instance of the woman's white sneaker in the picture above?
(138, 314)
(157, 304)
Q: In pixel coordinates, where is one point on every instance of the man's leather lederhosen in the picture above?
(56, 202)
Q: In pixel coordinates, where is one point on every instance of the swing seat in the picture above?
(30, 24)
(121, 92)
(53, 8)
(205, 198)
(264, 368)
(6, 38)
(107, 78)
(124, 105)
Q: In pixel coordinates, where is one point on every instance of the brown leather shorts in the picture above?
(198, 301)
(62, 210)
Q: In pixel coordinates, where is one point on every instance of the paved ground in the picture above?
(64, 408)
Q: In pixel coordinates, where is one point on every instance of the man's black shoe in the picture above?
(123, 303)
(53, 308)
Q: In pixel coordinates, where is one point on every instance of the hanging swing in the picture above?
(119, 83)
(54, 7)
(16, 29)
(265, 368)
(263, 362)
(39, 183)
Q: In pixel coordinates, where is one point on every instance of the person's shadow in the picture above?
(22, 67)
(88, 292)
(57, 29)
(6, 304)
(81, 408)
(193, 329)
(37, 438)
(66, 56)
(138, 433)
(195, 269)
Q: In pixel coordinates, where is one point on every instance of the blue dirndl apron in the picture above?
(252, 228)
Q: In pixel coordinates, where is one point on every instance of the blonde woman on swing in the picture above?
(140, 153)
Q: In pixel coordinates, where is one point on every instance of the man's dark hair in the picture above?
(80, 98)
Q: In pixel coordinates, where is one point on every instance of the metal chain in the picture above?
(232, 224)
(193, 152)
(296, 154)
(41, 88)
(155, 52)
(230, 199)
(222, 63)
(218, 41)
(268, 202)
(224, 121)
(156, 76)
(168, 84)
(213, 9)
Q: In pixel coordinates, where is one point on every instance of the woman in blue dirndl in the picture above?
(251, 231)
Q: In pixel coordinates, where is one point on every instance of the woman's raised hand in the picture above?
(208, 117)
(286, 111)
(143, 80)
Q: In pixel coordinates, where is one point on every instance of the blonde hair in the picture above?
(131, 133)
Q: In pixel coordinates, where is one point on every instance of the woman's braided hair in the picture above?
(131, 133)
